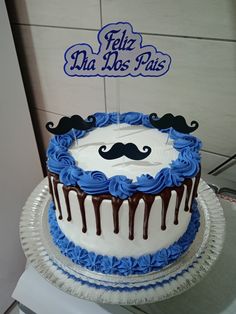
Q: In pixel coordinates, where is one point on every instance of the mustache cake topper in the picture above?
(75, 122)
(176, 122)
(129, 150)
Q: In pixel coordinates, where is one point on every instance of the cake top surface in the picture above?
(85, 151)
(79, 163)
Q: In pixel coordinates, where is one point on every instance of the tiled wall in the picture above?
(199, 35)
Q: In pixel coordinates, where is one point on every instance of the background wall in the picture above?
(19, 162)
(199, 35)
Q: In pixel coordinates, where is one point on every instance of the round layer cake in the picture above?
(131, 213)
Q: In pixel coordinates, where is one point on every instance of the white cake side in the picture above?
(119, 245)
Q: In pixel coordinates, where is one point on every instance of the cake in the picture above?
(128, 211)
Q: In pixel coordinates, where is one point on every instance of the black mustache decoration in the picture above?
(129, 150)
(168, 120)
(75, 122)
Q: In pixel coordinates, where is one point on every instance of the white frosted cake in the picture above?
(118, 213)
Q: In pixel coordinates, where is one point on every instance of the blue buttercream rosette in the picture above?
(59, 160)
(121, 186)
(94, 182)
(70, 175)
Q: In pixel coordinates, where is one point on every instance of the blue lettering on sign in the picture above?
(121, 53)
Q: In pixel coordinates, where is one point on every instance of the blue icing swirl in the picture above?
(162, 258)
(121, 186)
(114, 117)
(150, 185)
(145, 264)
(52, 148)
(94, 182)
(133, 118)
(63, 141)
(93, 261)
(146, 122)
(108, 264)
(182, 141)
(78, 133)
(79, 256)
(70, 175)
(175, 251)
(58, 160)
(102, 119)
(187, 164)
(175, 178)
(145, 182)
(127, 265)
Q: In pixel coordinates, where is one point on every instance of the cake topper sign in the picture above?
(121, 53)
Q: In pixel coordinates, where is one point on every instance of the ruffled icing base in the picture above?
(127, 265)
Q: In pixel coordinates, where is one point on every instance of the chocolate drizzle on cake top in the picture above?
(133, 202)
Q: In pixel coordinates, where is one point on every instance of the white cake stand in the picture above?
(136, 289)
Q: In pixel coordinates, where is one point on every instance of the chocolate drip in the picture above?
(179, 195)
(116, 204)
(133, 203)
(188, 183)
(66, 195)
(81, 198)
(197, 179)
(165, 196)
(55, 184)
(97, 200)
(148, 201)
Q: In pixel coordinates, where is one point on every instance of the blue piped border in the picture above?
(123, 289)
(61, 162)
(127, 265)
